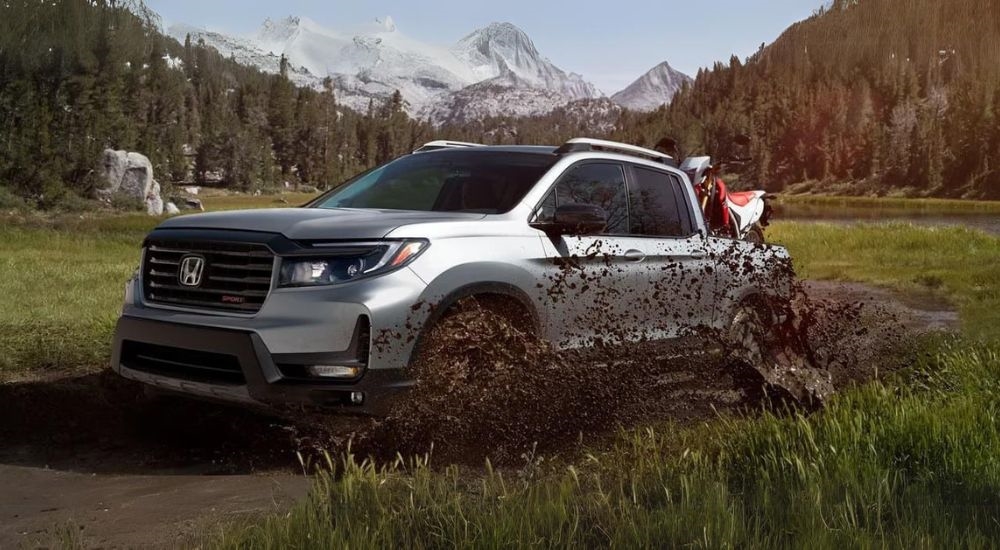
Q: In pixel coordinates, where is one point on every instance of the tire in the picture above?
(755, 235)
(748, 335)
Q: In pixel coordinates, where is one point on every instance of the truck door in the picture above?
(678, 274)
(592, 280)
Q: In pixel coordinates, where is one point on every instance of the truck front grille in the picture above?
(183, 364)
(231, 277)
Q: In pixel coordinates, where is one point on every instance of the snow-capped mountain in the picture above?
(652, 89)
(503, 50)
(497, 69)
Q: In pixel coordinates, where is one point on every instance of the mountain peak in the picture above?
(386, 23)
(652, 89)
(499, 35)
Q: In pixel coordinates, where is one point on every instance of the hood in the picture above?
(315, 223)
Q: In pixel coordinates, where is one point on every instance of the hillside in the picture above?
(891, 96)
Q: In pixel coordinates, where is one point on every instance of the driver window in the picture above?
(597, 184)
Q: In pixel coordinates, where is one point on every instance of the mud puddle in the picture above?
(90, 456)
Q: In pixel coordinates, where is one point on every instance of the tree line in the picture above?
(866, 96)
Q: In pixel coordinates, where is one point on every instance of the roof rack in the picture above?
(445, 144)
(577, 145)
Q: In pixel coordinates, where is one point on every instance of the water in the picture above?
(988, 222)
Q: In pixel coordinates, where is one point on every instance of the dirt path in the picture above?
(83, 460)
(41, 506)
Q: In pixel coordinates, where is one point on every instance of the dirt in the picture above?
(90, 460)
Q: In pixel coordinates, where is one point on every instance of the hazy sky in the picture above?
(610, 43)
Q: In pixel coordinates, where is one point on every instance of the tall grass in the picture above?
(907, 465)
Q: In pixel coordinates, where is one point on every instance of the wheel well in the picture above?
(509, 302)
(500, 303)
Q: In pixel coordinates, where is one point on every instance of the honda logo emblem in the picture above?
(191, 270)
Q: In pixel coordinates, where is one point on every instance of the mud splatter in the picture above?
(488, 387)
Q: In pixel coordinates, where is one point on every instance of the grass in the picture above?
(62, 279)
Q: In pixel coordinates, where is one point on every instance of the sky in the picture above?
(609, 43)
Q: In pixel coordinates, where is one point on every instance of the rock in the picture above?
(192, 190)
(131, 174)
(154, 203)
(113, 168)
(154, 206)
(171, 209)
(184, 203)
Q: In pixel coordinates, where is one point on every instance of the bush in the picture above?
(126, 203)
(70, 202)
(11, 201)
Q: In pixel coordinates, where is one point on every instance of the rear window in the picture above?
(656, 205)
(483, 182)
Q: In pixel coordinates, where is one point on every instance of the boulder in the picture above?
(131, 174)
(171, 209)
(192, 189)
(185, 203)
(154, 203)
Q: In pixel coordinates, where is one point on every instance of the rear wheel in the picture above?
(748, 335)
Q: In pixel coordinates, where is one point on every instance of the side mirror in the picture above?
(575, 219)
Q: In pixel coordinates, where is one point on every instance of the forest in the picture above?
(868, 97)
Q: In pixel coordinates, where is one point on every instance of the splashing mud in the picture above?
(488, 386)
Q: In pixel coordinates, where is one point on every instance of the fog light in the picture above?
(357, 398)
(333, 371)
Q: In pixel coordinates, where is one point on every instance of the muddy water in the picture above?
(989, 223)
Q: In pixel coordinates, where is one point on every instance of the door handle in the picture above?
(635, 256)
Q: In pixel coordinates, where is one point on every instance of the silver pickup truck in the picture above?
(289, 306)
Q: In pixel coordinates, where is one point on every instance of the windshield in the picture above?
(486, 182)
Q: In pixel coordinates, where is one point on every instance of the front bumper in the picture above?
(236, 366)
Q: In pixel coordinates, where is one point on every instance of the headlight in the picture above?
(344, 262)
